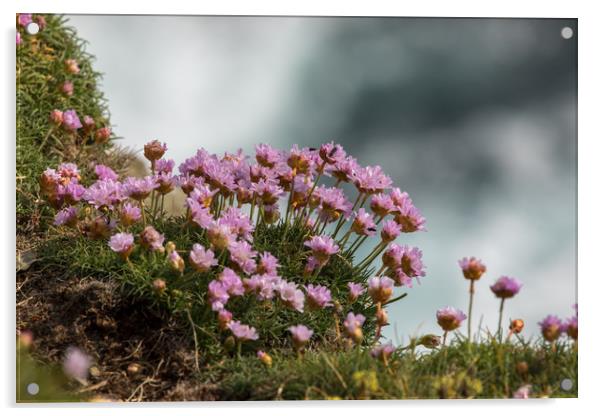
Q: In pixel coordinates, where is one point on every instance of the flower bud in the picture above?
(154, 150)
(71, 66)
(102, 135)
(382, 317)
(229, 343)
(56, 117)
(265, 358)
(516, 326)
(134, 369)
(159, 286)
(175, 261)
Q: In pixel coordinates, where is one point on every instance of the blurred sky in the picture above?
(475, 118)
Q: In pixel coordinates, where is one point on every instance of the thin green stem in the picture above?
(471, 296)
(499, 325)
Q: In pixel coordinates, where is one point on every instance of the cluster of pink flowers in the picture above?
(227, 198)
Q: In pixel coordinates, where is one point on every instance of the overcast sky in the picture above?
(475, 118)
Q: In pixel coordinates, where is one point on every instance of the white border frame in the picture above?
(589, 35)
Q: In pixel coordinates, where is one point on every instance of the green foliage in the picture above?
(187, 292)
(40, 72)
(487, 370)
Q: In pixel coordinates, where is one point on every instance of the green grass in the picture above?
(40, 72)
(487, 370)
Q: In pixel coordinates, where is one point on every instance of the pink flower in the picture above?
(450, 318)
(231, 282)
(383, 352)
(243, 332)
(18, 39)
(353, 326)
(411, 261)
(164, 166)
(152, 239)
(355, 291)
(571, 327)
(363, 223)
(291, 296)
(331, 153)
(267, 156)
(202, 259)
(380, 289)
(67, 89)
(344, 170)
(472, 268)
(301, 335)
(218, 295)
(382, 204)
(122, 243)
(551, 328)
(66, 216)
(268, 264)
(130, 214)
(523, 392)
(76, 363)
(506, 287)
(371, 180)
(104, 193)
(24, 19)
(139, 188)
(71, 120)
(390, 231)
(220, 235)
(322, 248)
(410, 219)
(224, 317)
(318, 297)
(175, 261)
(105, 173)
(243, 255)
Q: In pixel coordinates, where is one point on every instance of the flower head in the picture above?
(380, 289)
(243, 332)
(390, 231)
(571, 327)
(355, 291)
(291, 295)
(551, 328)
(472, 268)
(353, 326)
(139, 188)
(175, 261)
(243, 256)
(218, 295)
(322, 247)
(130, 214)
(363, 223)
(331, 153)
(231, 282)
(71, 120)
(410, 219)
(266, 155)
(371, 180)
(66, 216)
(522, 392)
(516, 326)
(202, 259)
(224, 317)
(102, 135)
(56, 117)
(450, 318)
(122, 243)
(154, 150)
(105, 173)
(265, 358)
(506, 287)
(268, 264)
(318, 297)
(24, 19)
(383, 352)
(301, 335)
(76, 363)
(152, 239)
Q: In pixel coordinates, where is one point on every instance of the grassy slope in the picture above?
(486, 370)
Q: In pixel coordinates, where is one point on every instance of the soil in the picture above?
(138, 354)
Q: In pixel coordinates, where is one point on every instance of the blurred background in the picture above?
(475, 118)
